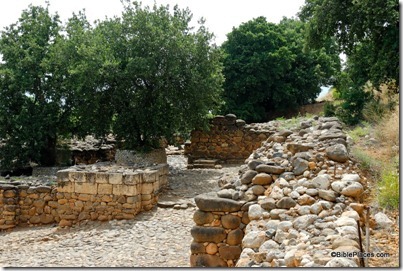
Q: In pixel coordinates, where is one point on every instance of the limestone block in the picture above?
(101, 177)
(104, 188)
(90, 177)
(131, 190)
(63, 175)
(147, 188)
(119, 189)
(134, 199)
(146, 197)
(115, 178)
(84, 197)
(77, 176)
(67, 187)
(86, 188)
(156, 185)
(150, 176)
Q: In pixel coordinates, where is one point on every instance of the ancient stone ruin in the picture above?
(229, 141)
(294, 204)
(102, 191)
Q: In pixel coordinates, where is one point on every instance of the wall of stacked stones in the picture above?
(295, 202)
(230, 140)
(83, 194)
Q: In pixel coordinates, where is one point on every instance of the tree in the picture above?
(367, 31)
(28, 97)
(267, 69)
(143, 76)
(169, 75)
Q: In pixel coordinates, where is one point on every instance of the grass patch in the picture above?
(367, 163)
(388, 196)
(360, 131)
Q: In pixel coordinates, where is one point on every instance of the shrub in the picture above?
(329, 109)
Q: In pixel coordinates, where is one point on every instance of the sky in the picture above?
(221, 15)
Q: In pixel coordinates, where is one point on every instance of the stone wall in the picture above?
(295, 204)
(83, 193)
(230, 140)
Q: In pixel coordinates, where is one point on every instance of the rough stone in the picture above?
(268, 204)
(253, 239)
(196, 248)
(353, 190)
(248, 176)
(201, 218)
(230, 252)
(255, 212)
(341, 262)
(382, 221)
(337, 153)
(235, 237)
(304, 221)
(230, 221)
(286, 203)
(270, 169)
(328, 195)
(205, 260)
(321, 181)
(207, 202)
(262, 179)
(300, 165)
(208, 234)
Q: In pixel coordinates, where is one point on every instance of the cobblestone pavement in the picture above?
(158, 238)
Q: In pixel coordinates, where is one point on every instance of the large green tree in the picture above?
(267, 69)
(169, 74)
(29, 100)
(367, 31)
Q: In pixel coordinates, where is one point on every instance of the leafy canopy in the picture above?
(143, 76)
(267, 69)
(367, 31)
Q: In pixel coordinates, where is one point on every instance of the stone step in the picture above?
(206, 161)
(204, 165)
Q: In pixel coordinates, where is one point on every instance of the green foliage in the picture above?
(329, 109)
(366, 30)
(367, 162)
(359, 131)
(29, 97)
(143, 76)
(267, 69)
(169, 77)
(389, 196)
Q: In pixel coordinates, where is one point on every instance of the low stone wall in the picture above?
(217, 238)
(295, 204)
(230, 140)
(83, 193)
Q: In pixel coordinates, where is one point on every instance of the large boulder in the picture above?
(337, 153)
